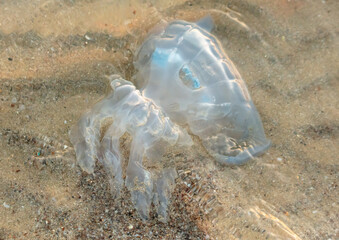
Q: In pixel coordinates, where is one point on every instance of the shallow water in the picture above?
(54, 56)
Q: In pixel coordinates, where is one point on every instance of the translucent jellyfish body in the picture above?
(184, 70)
(127, 111)
(185, 79)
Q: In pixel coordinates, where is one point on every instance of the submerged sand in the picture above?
(54, 56)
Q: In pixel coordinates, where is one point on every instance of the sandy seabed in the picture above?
(54, 56)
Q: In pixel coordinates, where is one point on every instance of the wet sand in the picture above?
(54, 56)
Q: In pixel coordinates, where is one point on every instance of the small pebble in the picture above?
(14, 100)
(279, 159)
(130, 227)
(88, 38)
(6, 205)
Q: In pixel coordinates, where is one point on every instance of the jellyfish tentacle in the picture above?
(110, 156)
(139, 180)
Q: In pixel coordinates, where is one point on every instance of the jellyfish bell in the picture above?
(185, 71)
